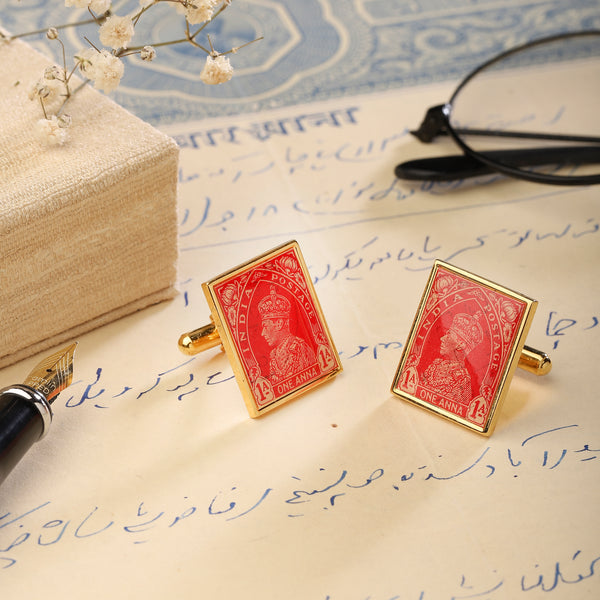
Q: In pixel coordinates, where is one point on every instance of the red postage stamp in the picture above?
(272, 326)
(463, 347)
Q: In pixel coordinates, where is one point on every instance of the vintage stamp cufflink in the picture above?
(267, 317)
(466, 341)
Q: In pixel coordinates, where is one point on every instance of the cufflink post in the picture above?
(535, 361)
(199, 340)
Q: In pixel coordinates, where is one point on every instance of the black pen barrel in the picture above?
(24, 418)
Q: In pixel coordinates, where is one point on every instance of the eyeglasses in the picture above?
(532, 112)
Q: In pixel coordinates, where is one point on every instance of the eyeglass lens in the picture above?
(539, 103)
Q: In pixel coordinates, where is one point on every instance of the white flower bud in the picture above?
(39, 90)
(216, 70)
(148, 53)
(64, 121)
(50, 132)
(84, 60)
(52, 33)
(53, 72)
(46, 89)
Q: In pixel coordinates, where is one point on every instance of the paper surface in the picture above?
(153, 479)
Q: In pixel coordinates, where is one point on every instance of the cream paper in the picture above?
(153, 481)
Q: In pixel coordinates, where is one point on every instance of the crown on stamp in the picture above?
(468, 329)
(274, 306)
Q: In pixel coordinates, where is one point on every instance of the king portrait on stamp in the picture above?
(290, 354)
(448, 375)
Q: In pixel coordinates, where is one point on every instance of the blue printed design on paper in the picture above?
(313, 49)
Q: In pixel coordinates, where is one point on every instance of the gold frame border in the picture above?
(230, 348)
(511, 364)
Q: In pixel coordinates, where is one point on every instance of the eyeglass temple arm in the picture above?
(435, 123)
(463, 166)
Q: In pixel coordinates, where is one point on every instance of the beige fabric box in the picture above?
(88, 230)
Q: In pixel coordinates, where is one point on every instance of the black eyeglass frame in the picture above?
(437, 122)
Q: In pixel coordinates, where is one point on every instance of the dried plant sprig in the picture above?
(102, 65)
(7, 38)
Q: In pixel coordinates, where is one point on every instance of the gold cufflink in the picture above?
(466, 341)
(267, 317)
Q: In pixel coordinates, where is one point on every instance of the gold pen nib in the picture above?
(53, 374)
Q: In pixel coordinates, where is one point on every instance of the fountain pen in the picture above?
(25, 413)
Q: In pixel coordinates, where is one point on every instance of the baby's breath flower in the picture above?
(116, 32)
(107, 71)
(44, 89)
(100, 6)
(64, 121)
(104, 69)
(148, 53)
(54, 72)
(39, 90)
(51, 132)
(84, 62)
(200, 11)
(216, 70)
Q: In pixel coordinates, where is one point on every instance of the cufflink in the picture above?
(465, 343)
(267, 317)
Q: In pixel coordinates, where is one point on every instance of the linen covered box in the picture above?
(88, 229)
